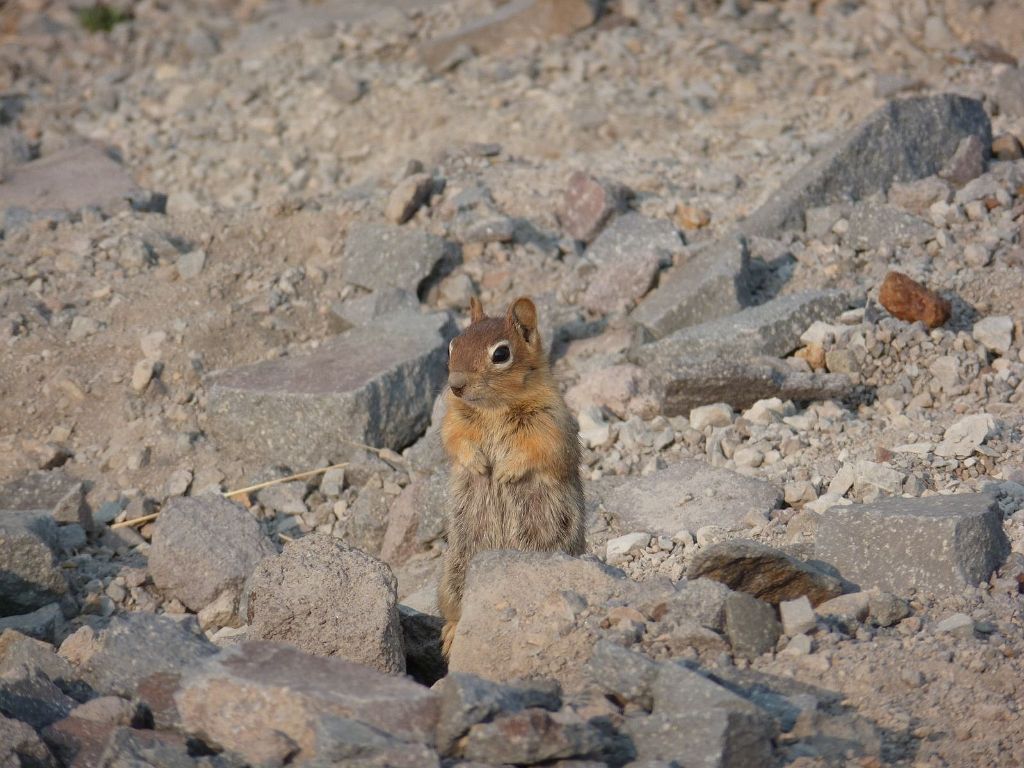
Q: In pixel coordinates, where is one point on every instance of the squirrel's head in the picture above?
(496, 360)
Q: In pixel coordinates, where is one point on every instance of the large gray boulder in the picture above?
(687, 495)
(937, 545)
(205, 546)
(373, 385)
(904, 140)
(29, 577)
(257, 699)
(328, 599)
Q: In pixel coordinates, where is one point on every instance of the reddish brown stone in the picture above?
(910, 301)
(587, 206)
(77, 742)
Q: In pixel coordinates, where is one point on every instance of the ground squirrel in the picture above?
(514, 449)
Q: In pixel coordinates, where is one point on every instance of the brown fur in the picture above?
(514, 449)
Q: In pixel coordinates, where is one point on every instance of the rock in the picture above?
(689, 217)
(257, 698)
(421, 638)
(624, 390)
(407, 197)
(1010, 92)
(71, 179)
(76, 741)
(977, 255)
(872, 225)
(959, 624)
(588, 204)
(222, 612)
(595, 431)
(937, 545)
(18, 652)
(713, 284)
(620, 549)
(134, 646)
(626, 676)
(871, 477)
(510, 24)
(697, 722)
(1007, 147)
(686, 383)
(204, 546)
(904, 140)
(52, 490)
(689, 494)
(908, 300)
(191, 264)
(772, 328)
(328, 599)
(130, 747)
(847, 610)
(964, 437)
(886, 609)
(416, 518)
(764, 572)
(29, 577)
(43, 623)
(995, 333)
(714, 415)
(533, 736)
(293, 410)
(918, 196)
(467, 700)
(797, 616)
(21, 746)
(510, 596)
(968, 162)
(750, 625)
(142, 374)
(29, 695)
(370, 307)
(382, 256)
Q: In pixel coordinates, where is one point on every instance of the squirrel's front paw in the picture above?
(507, 473)
(447, 637)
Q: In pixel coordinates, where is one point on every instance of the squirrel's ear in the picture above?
(522, 314)
(476, 309)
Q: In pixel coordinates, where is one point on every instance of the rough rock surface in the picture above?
(29, 577)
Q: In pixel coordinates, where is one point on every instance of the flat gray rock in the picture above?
(906, 139)
(712, 284)
(936, 545)
(772, 328)
(55, 490)
(686, 383)
(687, 495)
(382, 256)
(373, 385)
(872, 225)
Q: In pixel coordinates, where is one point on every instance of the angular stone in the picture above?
(1010, 92)
(407, 197)
(587, 206)
(886, 609)
(510, 24)
(328, 599)
(382, 256)
(21, 746)
(965, 436)
(29, 577)
(43, 623)
(250, 695)
(797, 616)
(967, 163)
(750, 625)
(299, 410)
(29, 695)
(904, 140)
(937, 545)
(467, 700)
(533, 736)
(78, 742)
(18, 652)
(872, 225)
(544, 593)
(625, 676)
(689, 494)
(371, 307)
(53, 490)
(918, 196)
(772, 328)
(908, 300)
(713, 284)
(764, 572)
(204, 546)
(133, 647)
(619, 549)
(848, 610)
(79, 177)
(686, 383)
(994, 333)
(131, 747)
(416, 518)
(365, 524)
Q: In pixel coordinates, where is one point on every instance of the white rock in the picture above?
(748, 457)
(191, 264)
(595, 432)
(964, 436)
(872, 475)
(151, 342)
(798, 646)
(843, 481)
(958, 621)
(995, 333)
(797, 616)
(946, 371)
(826, 501)
(142, 374)
(714, 415)
(918, 449)
(764, 412)
(977, 255)
(618, 550)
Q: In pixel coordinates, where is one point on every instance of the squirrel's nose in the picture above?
(457, 381)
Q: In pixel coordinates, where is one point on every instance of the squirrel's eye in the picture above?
(501, 354)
